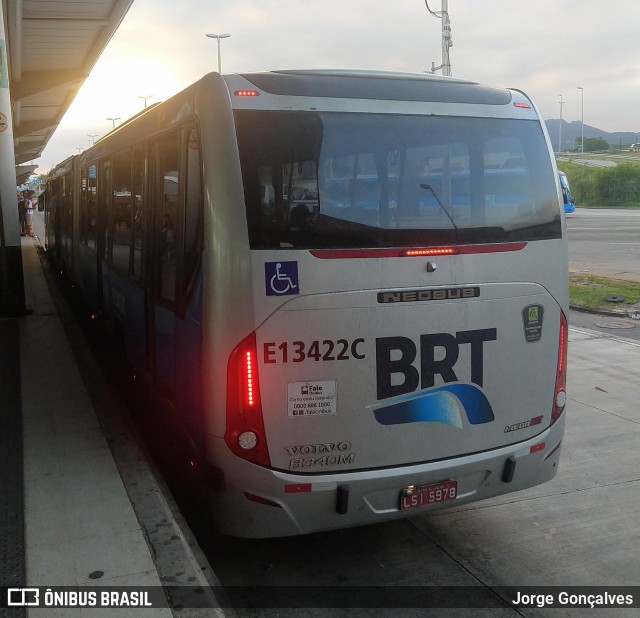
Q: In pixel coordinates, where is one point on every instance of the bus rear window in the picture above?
(337, 180)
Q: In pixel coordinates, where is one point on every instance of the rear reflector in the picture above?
(537, 447)
(298, 488)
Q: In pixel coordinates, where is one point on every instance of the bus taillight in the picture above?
(245, 434)
(560, 394)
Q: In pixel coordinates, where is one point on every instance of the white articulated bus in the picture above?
(349, 289)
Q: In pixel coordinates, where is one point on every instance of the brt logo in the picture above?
(395, 357)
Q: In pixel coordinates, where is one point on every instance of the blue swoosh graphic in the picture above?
(438, 405)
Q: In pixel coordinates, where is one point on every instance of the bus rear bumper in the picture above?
(259, 503)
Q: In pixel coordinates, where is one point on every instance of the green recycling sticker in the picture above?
(532, 319)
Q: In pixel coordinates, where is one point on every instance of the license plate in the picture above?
(421, 495)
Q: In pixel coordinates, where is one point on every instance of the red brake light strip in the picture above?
(341, 254)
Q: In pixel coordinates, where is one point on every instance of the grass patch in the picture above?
(604, 187)
(588, 292)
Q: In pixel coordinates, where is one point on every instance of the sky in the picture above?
(545, 47)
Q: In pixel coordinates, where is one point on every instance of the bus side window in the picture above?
(166, 243)
(138, 201)
(88, 207)
(120, 220)
(193, 214)
(104, 209)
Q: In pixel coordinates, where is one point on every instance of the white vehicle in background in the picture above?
(363, 313)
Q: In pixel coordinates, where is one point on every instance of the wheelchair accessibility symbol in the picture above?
(281, 278)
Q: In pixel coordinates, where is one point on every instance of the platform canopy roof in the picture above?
(52, 46)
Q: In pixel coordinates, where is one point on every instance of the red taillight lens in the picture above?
(559, 394)
(245, 434)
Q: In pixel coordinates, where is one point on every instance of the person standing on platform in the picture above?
(28, 216)
(22, 209)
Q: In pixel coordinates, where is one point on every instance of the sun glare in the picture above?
(114, 88)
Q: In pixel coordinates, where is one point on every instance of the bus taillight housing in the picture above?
(245, 434)
(560, 392)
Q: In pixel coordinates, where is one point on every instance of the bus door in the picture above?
(163, 263)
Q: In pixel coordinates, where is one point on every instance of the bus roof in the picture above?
(357, 84)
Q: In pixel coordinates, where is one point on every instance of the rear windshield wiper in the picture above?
(446, 212)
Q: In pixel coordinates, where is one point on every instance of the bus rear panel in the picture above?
(405, 348)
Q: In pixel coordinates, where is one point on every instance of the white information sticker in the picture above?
(311, 398)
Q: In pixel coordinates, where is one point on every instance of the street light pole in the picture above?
(93, 138)
(113, 120)
(148, 96)
(218, 36)
(560, 135)
(581, 89)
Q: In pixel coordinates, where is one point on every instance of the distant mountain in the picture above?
(573, 130)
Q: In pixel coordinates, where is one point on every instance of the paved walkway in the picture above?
(94, 513)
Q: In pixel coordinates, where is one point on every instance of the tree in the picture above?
(591, 144)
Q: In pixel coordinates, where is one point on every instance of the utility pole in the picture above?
(560, 136)
(581, 89)
(447, 42)
(446, 39)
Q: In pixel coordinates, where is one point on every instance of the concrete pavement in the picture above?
(95, 514)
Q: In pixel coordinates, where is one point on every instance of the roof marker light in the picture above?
(247, 93)
(522, 105)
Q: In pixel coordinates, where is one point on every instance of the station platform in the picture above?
(81, 507)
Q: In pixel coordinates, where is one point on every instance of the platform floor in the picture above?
(81, 504)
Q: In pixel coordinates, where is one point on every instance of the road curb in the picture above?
(613, 314)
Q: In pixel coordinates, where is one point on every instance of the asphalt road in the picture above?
(605, 242)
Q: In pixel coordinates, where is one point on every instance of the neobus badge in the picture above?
(409, 296)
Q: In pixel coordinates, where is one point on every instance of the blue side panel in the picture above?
(165, 349)
(189, 376)
(88, 280)
(124, 305)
